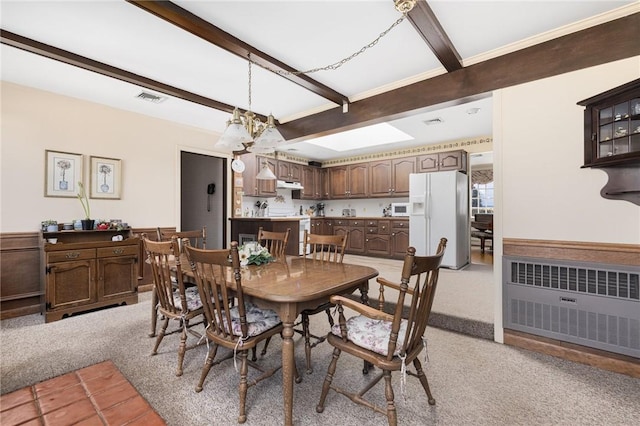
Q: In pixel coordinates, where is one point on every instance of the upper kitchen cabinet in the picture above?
(443, 161)
(289, 172)
(390, 178)
(314, 183)
(253, 187)
(612, 127)
(348, 181)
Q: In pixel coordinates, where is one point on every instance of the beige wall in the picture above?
(538, 143)
(34, 120)
(539, 138)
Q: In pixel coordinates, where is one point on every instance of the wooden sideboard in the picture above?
(85, 270)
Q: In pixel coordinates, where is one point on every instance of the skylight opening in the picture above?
(364, 137)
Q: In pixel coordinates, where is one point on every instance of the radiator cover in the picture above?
(589, 304)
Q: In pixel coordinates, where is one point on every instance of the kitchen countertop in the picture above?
(290, 218)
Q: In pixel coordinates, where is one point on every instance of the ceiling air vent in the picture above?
(433, 121)
(150, 97)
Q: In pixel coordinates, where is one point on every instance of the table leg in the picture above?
(288, 367)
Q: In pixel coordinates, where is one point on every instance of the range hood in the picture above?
(288, 185)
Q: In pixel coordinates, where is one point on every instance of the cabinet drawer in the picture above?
(358, 222)
(341, 222)
(400, 224)
(372, 230)
(383, 226)
(117, 251)
(372, 223)
(67, 255)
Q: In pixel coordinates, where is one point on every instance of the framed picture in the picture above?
(105, 178)
(63, 171)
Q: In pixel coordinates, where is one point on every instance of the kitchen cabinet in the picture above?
(287, 171)
(442, 161)
(390, 178)
(243, 228)
(399, 241)
(86, 270)
(377, 238)
(314, 183)
(348, 181)
(321, 226)
(356, 230)
(253, 187)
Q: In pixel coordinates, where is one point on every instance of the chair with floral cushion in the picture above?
(197, 238)
(388, 341)
(275, 242)
(239, 328)
(323, 248)
(174, 300)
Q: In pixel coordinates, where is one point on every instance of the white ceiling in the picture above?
(303, 34)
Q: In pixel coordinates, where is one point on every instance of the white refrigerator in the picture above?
(439, 207)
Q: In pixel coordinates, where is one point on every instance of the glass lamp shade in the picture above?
(233, 137)
(265, 173)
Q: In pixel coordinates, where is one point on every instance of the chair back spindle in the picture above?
(328, 248)
(274, 242)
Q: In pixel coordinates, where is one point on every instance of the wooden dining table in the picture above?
(292, 284)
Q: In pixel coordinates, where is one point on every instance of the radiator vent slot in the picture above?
(590, 280)
(593, 305)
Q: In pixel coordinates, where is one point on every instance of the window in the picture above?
(482, 198)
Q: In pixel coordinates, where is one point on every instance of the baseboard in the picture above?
(594, 357)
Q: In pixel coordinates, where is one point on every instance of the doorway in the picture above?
(203, 195)
(482, 204)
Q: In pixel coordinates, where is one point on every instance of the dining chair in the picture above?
(274, 242)
(238, 328)
(389, 341)
(197, 238)
(322, 248)
(174, 300)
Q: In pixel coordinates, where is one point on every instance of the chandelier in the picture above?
(246, 133)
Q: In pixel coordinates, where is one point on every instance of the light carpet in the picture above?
(474, 381)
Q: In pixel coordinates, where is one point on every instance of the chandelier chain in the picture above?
(334, 66)
(249, 60)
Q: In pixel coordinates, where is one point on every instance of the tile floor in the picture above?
(95, 395)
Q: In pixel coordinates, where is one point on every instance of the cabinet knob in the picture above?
(72, 255)
(118, 251)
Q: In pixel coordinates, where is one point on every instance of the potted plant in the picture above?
(87, 223)
(50, 225)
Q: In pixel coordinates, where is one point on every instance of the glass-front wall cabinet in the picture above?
(619, 128)
(612, 127)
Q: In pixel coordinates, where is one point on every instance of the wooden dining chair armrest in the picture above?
(365, 310)
(386, 283)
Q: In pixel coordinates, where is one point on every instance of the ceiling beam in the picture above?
(69, 58)
(608, 42)
(197, 26)
(427, 25)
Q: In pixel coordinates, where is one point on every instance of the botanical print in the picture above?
(105, 177)
(63, 171)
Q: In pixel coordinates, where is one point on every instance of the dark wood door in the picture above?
(400, 170)
(399, 243)
(266, 187)
(451, 160)
(380, 182)
(358, 180)
(427, 163)
(338, 182)
(116, 277)
(71, 284)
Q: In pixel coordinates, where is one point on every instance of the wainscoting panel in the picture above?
(20, 290)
